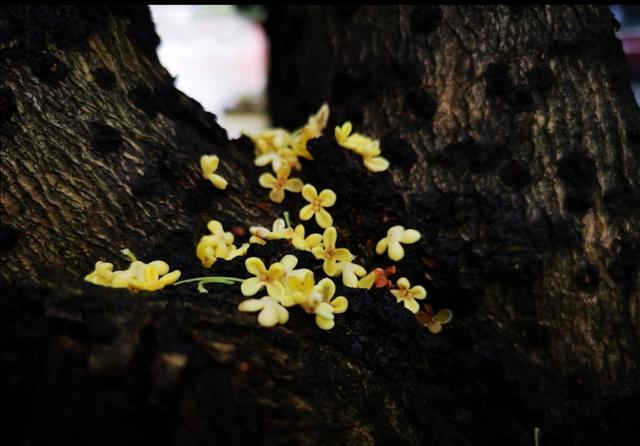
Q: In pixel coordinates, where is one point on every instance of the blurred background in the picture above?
(219, 56)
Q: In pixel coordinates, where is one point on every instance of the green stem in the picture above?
(210, 279)
(286, 218)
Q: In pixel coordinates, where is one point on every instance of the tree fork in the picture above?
(518, 161)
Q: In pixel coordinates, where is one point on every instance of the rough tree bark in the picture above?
(514, 144)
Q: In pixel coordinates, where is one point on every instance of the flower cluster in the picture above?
(282, 150)
(139, 276)
(367, 148)
(287, 287)
(281, 285)
(218, 245)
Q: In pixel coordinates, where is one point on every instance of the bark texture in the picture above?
(514, 145)
(514, 137)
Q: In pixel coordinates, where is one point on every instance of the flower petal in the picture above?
(396, 251)
(410, 236)
(267, 180)
(251, 305)
(309, 192)
(289, 261)
(330, 267)
(283, 314)
(376, 164)
(418, 292)
(251, 286)
(403, 283)
(323, 218)
(411, 305)
(444, 316)
(294, 185)
(325, 324)
(255, 266)
(381, 246)
(275, 289)
(276, 195)
(327, 198)
(324, 310)
(218, 181)
(268, 317)
(342, 254)
(306, 212)
(340, 304)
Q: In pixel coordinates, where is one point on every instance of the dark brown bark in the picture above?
(513, 141)
(514, 136)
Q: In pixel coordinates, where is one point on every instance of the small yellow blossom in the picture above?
(408, 295)
(314, 127)
(270, 140)
(271, 311)
(102, 275)
(271, 278)
(350, 273)
(318, 299)
(318, 202)
(392, 242)
(279, 158)
(305, 244)
(329, 253)
(364, 146)
(218, 245)
(209, 164)
(139, 276)
(280, 183)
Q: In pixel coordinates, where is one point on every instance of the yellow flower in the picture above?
(279, 158)
(102, 275)
(325, 199)
(139, 276)
(366, 147)
(395, 236)
(209, 164)
(271, 278)
(323, 305)
(408, 295)
(350, 273)
(329, 253)
(271, 311)
(305, 244)
(280, 184)
(270, 140)
(218, 245)
(314, 127)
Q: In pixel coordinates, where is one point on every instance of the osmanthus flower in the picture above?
(280, 183)
(318, 299)
(101, 275)
(312, 129)
(434, 322)
(270, 140)
(317, 203)
(151, 276)
(330, 254)
(392, 242)
(363, 145)
(271, 278)
(280, 230)
(289, 262)
(271, 310)
(305, 243)
(209, 164)
(218, 245)
(378, 277)
(408, 295)
(279, 158)
(350, 273)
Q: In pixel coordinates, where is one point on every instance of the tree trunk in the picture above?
(514, 146)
